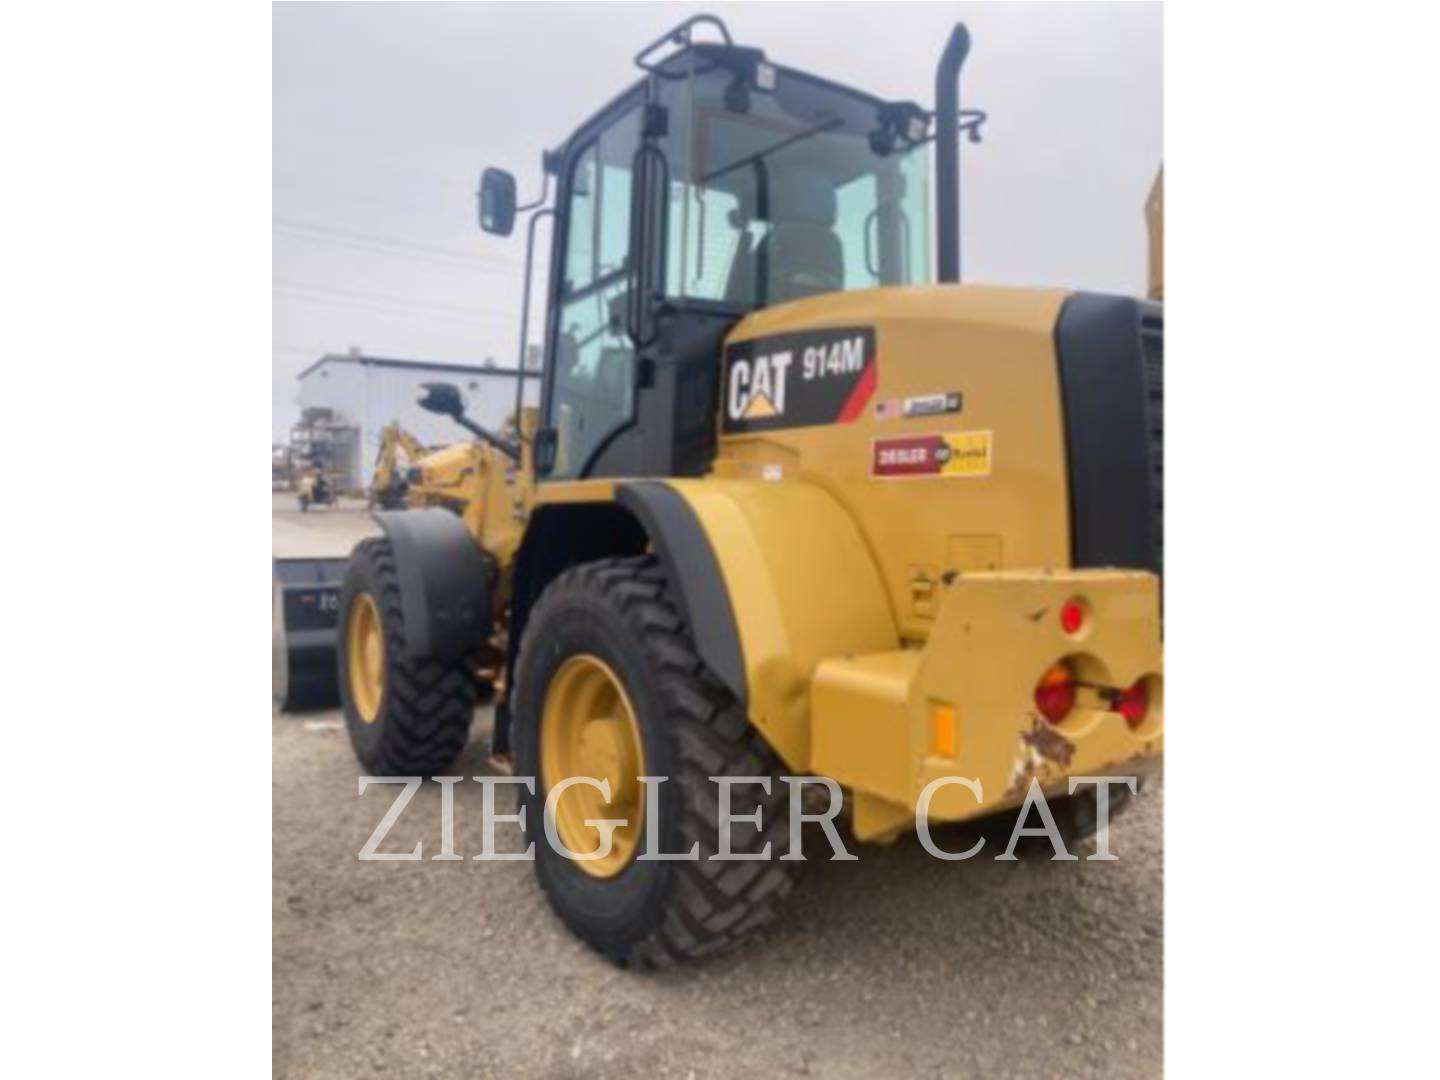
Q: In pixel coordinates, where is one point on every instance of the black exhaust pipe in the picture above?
(947, 154)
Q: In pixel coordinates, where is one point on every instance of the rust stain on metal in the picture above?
(1049, 743)
(1026, 769)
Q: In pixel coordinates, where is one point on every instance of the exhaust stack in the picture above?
(947, 154)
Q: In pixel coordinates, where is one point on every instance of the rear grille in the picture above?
(1152, 344)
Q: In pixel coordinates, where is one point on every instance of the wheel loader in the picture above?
(791, 505)
(305, 602)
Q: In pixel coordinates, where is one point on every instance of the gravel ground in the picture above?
(895, 965)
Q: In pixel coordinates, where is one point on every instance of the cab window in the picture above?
(593, 392)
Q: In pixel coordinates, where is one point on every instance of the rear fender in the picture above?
(774, 578)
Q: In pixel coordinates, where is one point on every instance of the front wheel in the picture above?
(405, 717)
(609, 686)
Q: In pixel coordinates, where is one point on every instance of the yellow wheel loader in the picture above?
(454, 477)
(458, 478)
(791, 506)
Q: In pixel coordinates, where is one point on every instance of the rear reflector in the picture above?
(1055, 693)
(1133, 703)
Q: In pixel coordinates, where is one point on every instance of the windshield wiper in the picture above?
(828, 125)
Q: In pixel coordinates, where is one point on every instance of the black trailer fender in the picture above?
(444, 582)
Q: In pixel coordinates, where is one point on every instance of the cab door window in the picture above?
(593, 392)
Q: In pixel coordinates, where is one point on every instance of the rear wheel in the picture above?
(609, 686)
(405, 717)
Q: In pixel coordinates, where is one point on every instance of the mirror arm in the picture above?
(507, 448)
(544, 195)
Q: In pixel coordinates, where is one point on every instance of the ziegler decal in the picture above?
(799, 380)
(956, 453)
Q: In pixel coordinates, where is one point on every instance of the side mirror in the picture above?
(497, 201)
(443, 398)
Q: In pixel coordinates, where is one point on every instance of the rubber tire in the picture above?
(427, 705)
(654, 914)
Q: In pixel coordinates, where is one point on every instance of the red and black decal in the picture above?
(799, 380)
(918, 455)
(950, 453)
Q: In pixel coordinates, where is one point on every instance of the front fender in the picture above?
(444, 582)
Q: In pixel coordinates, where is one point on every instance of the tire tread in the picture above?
(713, 904)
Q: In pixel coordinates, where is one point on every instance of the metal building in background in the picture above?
(364, 393)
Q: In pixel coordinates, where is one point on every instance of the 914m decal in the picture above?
(799, 380)
(953, 453)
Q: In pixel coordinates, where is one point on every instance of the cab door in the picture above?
(590, 395)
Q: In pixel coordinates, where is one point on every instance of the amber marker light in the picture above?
(942, 729)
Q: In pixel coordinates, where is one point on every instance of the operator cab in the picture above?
(718, 185)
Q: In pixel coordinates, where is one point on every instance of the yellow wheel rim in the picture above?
(365, 656)
(588, 728)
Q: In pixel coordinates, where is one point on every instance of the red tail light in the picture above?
(1055, 693)
(1133, 703)
(1072, 617)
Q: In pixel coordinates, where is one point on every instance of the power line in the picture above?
(393, 311)
(445, 262)
(409, 248)
(389, 298)
(442, 261)
(361, 299)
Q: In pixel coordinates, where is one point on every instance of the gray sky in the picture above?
(385, 113)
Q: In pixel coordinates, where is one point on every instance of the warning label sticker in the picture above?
(957, 453)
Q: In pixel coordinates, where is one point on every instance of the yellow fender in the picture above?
(801, 586)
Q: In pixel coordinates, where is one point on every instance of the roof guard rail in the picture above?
(683, 36)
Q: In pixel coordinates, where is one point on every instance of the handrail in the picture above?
(682, 35)
(642, 238)
(525, 316)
